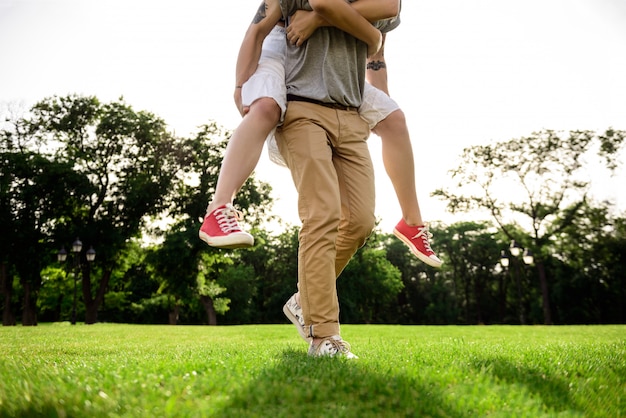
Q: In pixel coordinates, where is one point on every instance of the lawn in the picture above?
(112, 370)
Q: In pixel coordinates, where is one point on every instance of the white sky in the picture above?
(464, 71)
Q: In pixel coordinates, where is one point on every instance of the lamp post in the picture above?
(90, 255)
(527, 257)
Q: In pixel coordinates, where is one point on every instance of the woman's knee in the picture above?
(265, 108)
(395, 121)
(396, 117)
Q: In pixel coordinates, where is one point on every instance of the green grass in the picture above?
(263, 371)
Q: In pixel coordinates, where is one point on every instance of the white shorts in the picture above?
(376, 105)
(269, 81)
(269, 78)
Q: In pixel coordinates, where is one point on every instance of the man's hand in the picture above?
(302, 25)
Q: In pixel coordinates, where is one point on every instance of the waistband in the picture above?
(294, 98)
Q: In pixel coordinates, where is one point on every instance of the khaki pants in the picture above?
(327, 153)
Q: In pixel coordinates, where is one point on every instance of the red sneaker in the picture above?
(416, 237)
(221, 229)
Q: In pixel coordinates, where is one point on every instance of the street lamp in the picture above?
(527, 257)
(90, 255)
(77, 246)
(515, 248)
(504, 258)
(62, 255)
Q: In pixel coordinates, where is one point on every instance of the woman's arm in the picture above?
(352, 18)
(266, 17)
(340, 14)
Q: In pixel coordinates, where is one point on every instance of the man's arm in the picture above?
(266, 17)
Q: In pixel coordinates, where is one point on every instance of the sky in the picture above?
(465, 72)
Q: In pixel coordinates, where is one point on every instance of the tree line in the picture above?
(134, 194)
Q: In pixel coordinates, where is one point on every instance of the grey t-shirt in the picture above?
(330, 66)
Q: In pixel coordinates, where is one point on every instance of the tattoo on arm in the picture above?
(376, 65)
(260, 14)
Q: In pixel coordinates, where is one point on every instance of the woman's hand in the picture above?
(238, 102)
(302, 25)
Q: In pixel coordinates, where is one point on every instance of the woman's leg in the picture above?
(220, 227)
(244, 150)
(397, 155)
(398, 160)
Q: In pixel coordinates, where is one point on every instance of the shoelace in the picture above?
(228, 218)
(338, 346)
(424, 234)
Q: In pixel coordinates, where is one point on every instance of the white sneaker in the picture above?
(293, 312)
(331, 347)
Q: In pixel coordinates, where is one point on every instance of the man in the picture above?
(323, 141)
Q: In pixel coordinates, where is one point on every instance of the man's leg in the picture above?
(355, 174)
(304, 144)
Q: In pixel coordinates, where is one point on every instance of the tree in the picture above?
(33, 196)
(592, 258)
(195, 184)
(413, 298)
(106, 168)
(544, 180)
(368, 287)
(272, 267)
(472, 249)
(187, 267)
(209, 289)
